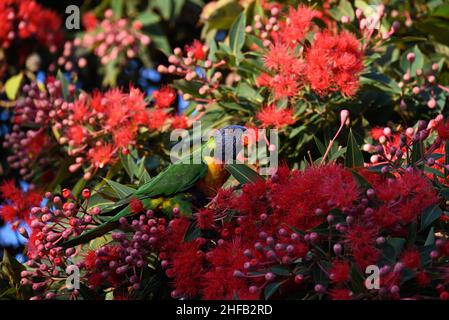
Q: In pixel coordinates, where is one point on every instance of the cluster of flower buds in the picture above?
(282, 249)
(49, 264)
(29, 135)
(422, 84)
(114, 37)
(192, 64)
(121, 263)
(396, 145)
(70, 60)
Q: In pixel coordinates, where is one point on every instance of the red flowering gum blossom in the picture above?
(333, 63)
(219, 282)
(271, 116)
(187, 269)
(19, 202)
(404, 199)
(196, 50)
(315, 189)
(298, 23)
(443, 130)
(164, 97)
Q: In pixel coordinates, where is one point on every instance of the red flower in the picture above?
(196, 50)
(101, 155)
(411, 259)
(157, 119)
(136, 205)
(340, 294)
(164, 97)
(404, 199)
(264, 80)
(276, 117)
(125, 135)
(76, 134)
(89, 21)
(19, 203)
(179, 122)
(279, 57)
(339, 272)
(334, 63)
(205, 219)
(187, 269)
(376, 133)
(297, 25)
(321, 188)
(219, 282)
(365, 255)
(443, 130)
(422, 279)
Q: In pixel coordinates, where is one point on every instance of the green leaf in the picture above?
(354, 157)
(417, 152)
(357, 280)
(446, 157)
(361, 181)
(178, 5)
(100, 241)
(164, 7)
(418, 63)
(12, 86)
(320, 145)
(79, 186)
(344, 8)
(148, 17)
(97, 200)
(436, 27)
(121, 190)
(430, 240)
(158, 38)
(430, 215)
(128, 164)
(237, 34)
(117, 7)
(242, 173)
(441, 11)
(11, 267)
(270, 289)
(281, 271)
(392, 249)
(64, 84)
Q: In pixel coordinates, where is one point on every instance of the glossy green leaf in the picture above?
(271, 289)
(242, 173)
(237, 34)
(430, 215)
(354, 157)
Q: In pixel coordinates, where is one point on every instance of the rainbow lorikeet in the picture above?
(207, 176)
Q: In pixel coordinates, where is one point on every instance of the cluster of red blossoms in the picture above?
(95, 128)
(331, 63)
(303, 232)
(17, 203)
(22, 20)
(300, 232)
